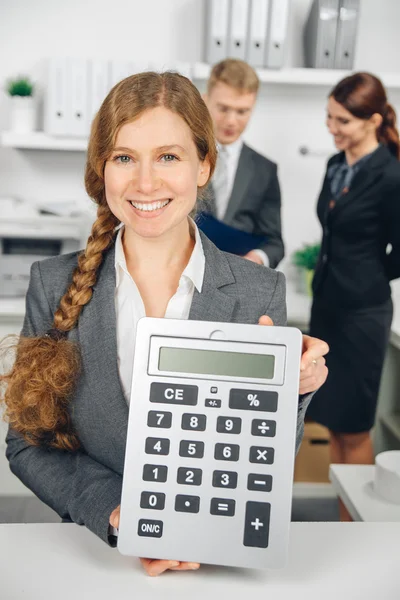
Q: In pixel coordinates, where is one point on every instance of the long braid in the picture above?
(43, 377)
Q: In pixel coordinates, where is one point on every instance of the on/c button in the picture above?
(150, 528)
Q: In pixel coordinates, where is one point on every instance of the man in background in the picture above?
(245, 191)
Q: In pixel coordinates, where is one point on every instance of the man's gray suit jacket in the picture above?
(255, 202)
(85, 486)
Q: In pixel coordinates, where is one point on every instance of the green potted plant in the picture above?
(305, 259)
(23, 114)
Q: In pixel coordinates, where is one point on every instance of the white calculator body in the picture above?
(210, 450)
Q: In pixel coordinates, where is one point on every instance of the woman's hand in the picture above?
(155, 567)
(313, 372)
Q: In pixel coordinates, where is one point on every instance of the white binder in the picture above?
(320, 34)
(99, 84)
(238, 28)
(218, 12)
(346, 34)
(278, 22)
(78, 97)
(258, 32)
(120, 69)
(55, 100)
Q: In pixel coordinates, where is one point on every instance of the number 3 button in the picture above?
(224, 479)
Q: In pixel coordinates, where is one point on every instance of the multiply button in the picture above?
(261, 455)
(263, 428)
(253, 400)
(150, 528)
(170, 393)
(256, 525)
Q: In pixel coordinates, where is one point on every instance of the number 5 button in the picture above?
(191, 449)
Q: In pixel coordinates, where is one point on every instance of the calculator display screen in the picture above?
(212, 362)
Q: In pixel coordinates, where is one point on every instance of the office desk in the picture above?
(354, 484)
(327, 561)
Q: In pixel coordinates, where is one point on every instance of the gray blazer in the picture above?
(85, 486)
(255, 202)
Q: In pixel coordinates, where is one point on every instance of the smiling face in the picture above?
(153, 173)
(230, 110)
(348, 131)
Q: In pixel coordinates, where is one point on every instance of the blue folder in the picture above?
(227, 238)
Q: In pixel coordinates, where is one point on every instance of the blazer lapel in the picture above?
(97, 333)
(364, 179)
(242, 181)
(212, 304)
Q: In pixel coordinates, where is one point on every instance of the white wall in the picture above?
(286, 117)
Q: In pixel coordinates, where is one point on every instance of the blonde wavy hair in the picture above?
(38, 387)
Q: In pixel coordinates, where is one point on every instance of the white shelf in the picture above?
(299, 76)
(37, 140)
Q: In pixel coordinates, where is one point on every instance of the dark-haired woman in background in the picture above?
(359, 210)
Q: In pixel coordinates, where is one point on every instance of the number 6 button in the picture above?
(226, 452)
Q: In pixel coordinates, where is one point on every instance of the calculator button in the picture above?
(214, 390)
(190, 504)
(256, 525)
(213, 402)
(222, 506)
(224, 479)
(155, 473)
(160, 419)
(229, 425)
(157, 445)
(153, 500)
(226, 452)
(263, 428)
(150, 528)
(259, 482)
(253, 400)
(170, 393)
(191, 449)
(261, 455)
(189, 476)
(194, 422)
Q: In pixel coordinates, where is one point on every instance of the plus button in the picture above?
(257, 524)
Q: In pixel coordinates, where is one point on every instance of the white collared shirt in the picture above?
(129, 307)
(233, 154)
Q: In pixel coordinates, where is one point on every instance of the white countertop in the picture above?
(354, 484)
(357, 561)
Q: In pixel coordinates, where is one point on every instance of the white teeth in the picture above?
(147, 206)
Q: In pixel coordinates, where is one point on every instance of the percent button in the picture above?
(253, 400)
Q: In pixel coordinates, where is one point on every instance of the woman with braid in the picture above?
(359, 210)
(151, 153)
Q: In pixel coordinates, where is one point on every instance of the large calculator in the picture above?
(208, 472)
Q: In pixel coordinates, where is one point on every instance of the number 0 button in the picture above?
(157, 446)
(229, 425)
(191, 449)
(153, 500)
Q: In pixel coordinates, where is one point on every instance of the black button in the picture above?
(155, 473)
(150, 528)
(261, 455)
(194, 422)
(213, 402)
(214, 390)
(189, 476)
(222, 506)
(152, 500)
(157, 446)
(170, 393)
(263, 428)
(259, 482)
(229, 425)
(190, 504)
(191, 449)
(159, 419)
(225, 479)
(226, 452)
(253, 400)
(256, 524)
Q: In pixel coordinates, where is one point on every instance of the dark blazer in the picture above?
(255, 202)
(353, 268)
(85, 486)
